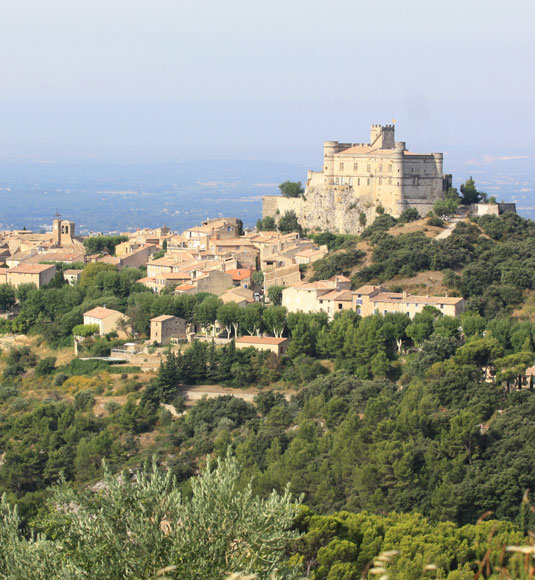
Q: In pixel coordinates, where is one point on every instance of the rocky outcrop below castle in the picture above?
(335, 208)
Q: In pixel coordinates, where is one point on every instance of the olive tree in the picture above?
(143, 527)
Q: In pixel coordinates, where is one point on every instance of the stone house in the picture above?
(310, 255)
(241, 277)
(369, 300)
(72, 276)
(106, 319)
(38, 274)
(285, 276)
(165, 329)
(238, 295)
(330, 296)
(214, 282)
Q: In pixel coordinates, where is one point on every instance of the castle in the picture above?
(358, 178)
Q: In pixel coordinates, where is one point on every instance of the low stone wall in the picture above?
(276, 206)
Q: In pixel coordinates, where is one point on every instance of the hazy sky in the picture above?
(179, 79)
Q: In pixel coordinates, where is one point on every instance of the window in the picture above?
(341, 166)
(358, 181)
(355, 166)
(368, 168)
(339, 306)
(350, 181)
(390, 169)
(380, 169)
(368, 181)
(389, 181)
(380, 181)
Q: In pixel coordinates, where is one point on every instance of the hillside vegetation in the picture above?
(371, 435)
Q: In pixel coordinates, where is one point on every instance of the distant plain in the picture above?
(102, 197)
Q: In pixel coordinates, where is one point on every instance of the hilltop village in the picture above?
(216, 258)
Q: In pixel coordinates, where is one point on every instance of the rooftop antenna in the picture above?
(57, 214)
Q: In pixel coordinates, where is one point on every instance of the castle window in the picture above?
(355, 166)
(341, 166)
(358, 181)
(368, 181)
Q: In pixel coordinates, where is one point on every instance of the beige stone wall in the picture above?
(39, 279)
(216, 283)
(370, 306)
(164, 331)
(276, 206)
(106, 325)
(276, 348)
(310, 300)
(486, 209)
(300, 300)
(282, 276)
(138, 258)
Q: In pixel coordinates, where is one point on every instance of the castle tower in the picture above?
(63, 232)
(56, 232)
(382, 136)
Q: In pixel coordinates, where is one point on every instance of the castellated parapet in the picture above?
(357, 178)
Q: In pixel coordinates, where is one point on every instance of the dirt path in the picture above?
(194, 394)
(446, 233)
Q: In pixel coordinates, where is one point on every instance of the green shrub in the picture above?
(45, 366)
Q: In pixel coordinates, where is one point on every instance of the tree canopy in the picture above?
(291, 188)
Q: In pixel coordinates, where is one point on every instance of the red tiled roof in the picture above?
(185, 287)
(239, 274)
(260, 340)
(100, 312)
(30, 268)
